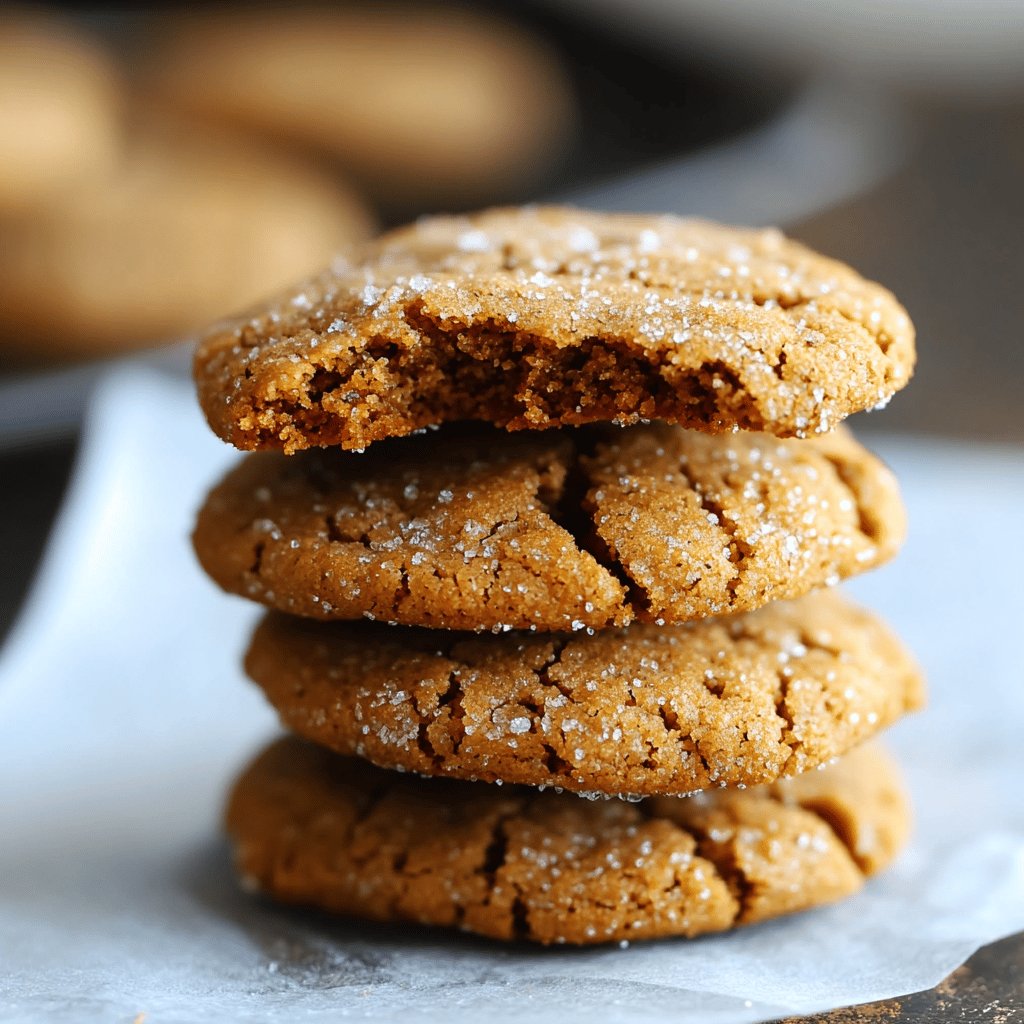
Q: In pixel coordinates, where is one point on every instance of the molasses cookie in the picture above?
(425, 106)
(313, 828)
(644, 710)
(59, 109)
(542, 316)
(479, 529)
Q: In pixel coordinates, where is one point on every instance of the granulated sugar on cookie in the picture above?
(644, 710)
(476, 528)
(543, 316)
(313, 828)
(610, 693)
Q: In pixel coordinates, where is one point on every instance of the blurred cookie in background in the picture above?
(425, 105)
(59, 109)
(188, 227)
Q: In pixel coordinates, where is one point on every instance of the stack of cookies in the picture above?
(547, 517)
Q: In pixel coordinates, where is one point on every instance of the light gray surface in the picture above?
(123, 716)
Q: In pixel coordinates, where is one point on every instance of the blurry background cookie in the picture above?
(425, 105)
(59, 118)
(186, 228)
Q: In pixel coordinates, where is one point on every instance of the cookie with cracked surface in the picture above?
(644, 710)
(316, 829)
(547, 316)
(483, 529)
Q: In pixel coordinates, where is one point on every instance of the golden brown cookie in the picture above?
(59, 109)
(535, 317)
(187, 228)
(644, 710)
(313, 828)
(480, 529)
(425, 105)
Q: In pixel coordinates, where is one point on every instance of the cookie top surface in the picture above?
(644, 710)
(542, 316)
(313, 828)
(480, 529)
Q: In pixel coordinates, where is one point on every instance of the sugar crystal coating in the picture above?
(544, 316)
(474, 528)
(642, 710)
(313, 828)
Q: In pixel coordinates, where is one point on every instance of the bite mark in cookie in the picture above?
(544, 316)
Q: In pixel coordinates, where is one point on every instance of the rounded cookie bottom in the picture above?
(313, 828)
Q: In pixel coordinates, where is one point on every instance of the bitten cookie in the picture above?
(480, 529)
(644, 710)
(313, 828)
(535, 317)
(187, 228)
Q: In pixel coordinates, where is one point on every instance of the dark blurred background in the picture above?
(159, 169)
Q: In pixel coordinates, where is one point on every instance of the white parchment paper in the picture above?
(123, 715)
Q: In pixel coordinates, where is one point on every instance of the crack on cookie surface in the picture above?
(641, 710)
(782, 709)
(548, 867)
(717, 513)
(870, 524)
(713, 327)
(549, 532)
